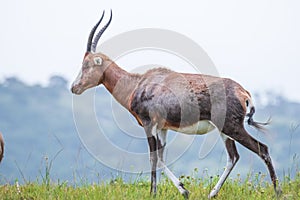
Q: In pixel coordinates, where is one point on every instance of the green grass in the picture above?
(255, 186)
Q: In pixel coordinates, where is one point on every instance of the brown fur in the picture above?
(162, 99)
(170, 99)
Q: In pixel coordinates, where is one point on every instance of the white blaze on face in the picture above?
(87, 75)
(78, 78)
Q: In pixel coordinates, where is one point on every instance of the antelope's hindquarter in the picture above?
(236, 106)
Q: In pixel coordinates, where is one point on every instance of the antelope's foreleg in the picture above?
(153, 157)
(161, 143)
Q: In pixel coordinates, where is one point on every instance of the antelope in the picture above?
(162, 100)
(1, 147)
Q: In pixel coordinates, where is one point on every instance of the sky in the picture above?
(256, 43)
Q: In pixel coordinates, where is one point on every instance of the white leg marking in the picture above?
(173, 178)
(230, 164)
(152, 154)
(161, 136)
(222, 179)
(154, 130)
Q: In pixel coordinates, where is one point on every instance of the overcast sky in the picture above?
(256, 43)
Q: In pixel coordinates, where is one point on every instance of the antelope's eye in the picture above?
(98, 61)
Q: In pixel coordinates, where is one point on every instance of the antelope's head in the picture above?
(94, 64)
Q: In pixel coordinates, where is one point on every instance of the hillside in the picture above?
(38, 125)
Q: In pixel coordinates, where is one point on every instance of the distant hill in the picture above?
(38, 125)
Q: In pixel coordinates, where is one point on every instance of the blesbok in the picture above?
(1, 147)
(162, 99)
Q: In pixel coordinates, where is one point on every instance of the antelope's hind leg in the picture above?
(262, 151)
(232, 158)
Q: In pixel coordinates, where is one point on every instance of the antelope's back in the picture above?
(178, 99)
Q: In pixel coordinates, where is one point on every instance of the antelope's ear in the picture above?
(98, 61)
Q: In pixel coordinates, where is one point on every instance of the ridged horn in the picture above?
(97, 37)
(89, 44)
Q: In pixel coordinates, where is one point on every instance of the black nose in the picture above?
(73, 88)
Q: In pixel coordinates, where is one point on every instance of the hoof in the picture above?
(278, 192)
(185, 194)
(212, 194)
(183, 191)
(153, 194)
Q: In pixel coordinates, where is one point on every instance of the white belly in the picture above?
(199, 128)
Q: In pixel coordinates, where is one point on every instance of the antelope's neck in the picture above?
(120, 83)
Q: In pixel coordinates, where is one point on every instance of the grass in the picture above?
(255, 186)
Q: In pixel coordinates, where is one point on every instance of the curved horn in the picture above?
(97, 37)
(89, 44)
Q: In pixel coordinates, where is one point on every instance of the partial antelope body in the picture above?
(162, 100)
(1, 147)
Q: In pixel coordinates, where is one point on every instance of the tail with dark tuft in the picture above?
(257, 125)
